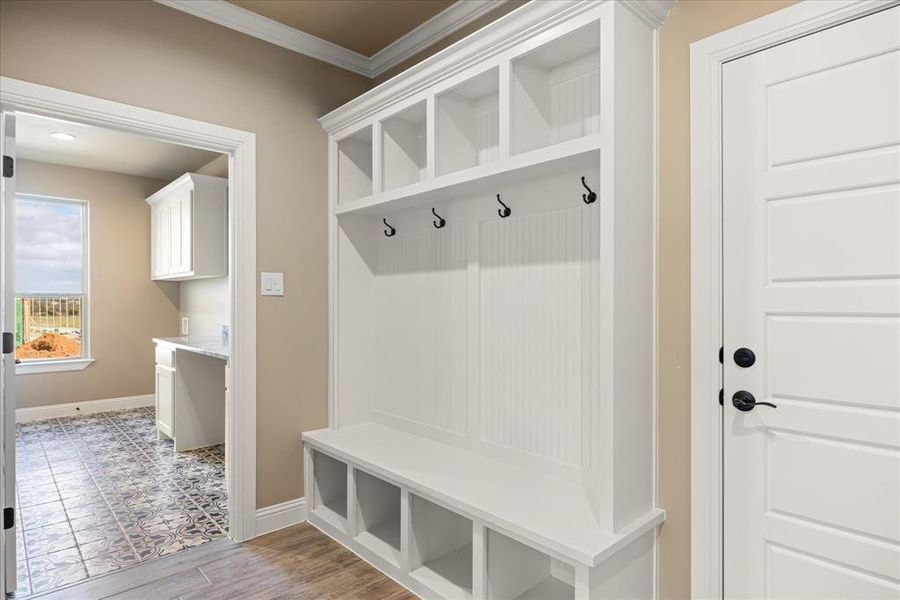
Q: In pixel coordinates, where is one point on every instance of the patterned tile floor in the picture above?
(100, 492)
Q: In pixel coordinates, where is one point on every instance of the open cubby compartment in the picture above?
(378, 516)
(330, 489)
(404, 149)
(354, 169)
(556, 91)
(519, 572)
(467, 123)
(440, 549)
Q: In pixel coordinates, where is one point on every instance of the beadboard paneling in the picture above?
(420, 332)
(539, 299)
(575, 107)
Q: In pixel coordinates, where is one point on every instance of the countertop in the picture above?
(206, 345)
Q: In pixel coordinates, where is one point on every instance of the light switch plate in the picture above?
(185, 326)
(272, 284)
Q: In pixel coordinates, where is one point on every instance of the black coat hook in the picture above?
(390, 231)
(505, 211)
(440, 220)
(591, 196)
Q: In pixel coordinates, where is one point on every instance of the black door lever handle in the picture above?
(744, 401)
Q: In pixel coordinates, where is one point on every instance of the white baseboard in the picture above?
(23, 415)
(278, 516)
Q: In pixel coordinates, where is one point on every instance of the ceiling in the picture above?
(364, 26)
(104, 149)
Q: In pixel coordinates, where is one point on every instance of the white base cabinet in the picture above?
(190, 398)
(491, 222)
(188, 229)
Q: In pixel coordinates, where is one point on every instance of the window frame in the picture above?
(55, 365)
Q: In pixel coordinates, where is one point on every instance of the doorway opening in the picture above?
(123, 266)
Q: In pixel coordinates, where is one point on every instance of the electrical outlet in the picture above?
(185, 326)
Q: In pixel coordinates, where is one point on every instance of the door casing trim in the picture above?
(707, 57)
(240, 146)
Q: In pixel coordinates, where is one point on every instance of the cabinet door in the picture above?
(165, 400)
(181, 212)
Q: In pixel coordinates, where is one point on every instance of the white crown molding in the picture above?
(444, 23)
(654, 12)
(451, 19)
(237, 18)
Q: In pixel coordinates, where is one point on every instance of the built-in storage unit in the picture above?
(467, 123)
(440, 548)
(519, 572)
(330, 497)
(378, 515)
(492, 313)
(403, 153)
(190, 392)
(556, 90)
(354, 165)
(188, 229)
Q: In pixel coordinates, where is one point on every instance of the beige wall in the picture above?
(120, 287)
(143, 53)
(689, 20)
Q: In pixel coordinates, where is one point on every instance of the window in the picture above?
(51, 284)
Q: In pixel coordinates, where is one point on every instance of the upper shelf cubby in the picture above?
(467, 123)
(556, 91)
(404, 148)
(355, 166)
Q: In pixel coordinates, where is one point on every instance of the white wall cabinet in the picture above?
(188, 229)
(492, 340)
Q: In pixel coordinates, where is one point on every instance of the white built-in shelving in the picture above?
(354, 165)
(556, 91)
(491, 274)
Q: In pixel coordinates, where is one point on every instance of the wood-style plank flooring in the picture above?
(296, 562)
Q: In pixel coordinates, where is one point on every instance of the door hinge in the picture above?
(721, 396)
(9, 342)
(9, 517)
(721, 355)
(8, 166)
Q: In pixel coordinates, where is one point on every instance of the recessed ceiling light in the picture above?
(62, 135)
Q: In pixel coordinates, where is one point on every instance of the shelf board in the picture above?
(331, 516)
(486, 178)
(450, 575)
(383, 540)
(549, 589)
(553, 515)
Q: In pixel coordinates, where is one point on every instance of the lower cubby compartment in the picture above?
(441, 549)
(518, 572)
(378, 516)
(330, 493)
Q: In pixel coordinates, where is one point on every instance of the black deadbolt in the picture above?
(744, 401)
(744, 357)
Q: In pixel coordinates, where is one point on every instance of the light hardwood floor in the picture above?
(296, 562)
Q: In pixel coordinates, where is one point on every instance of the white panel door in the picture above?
(812, 287)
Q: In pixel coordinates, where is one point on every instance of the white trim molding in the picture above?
(526, 22)
(278, 516)
(37, 413)
(240, 146)
(54, 365)
(446, 22)
(707, 57)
